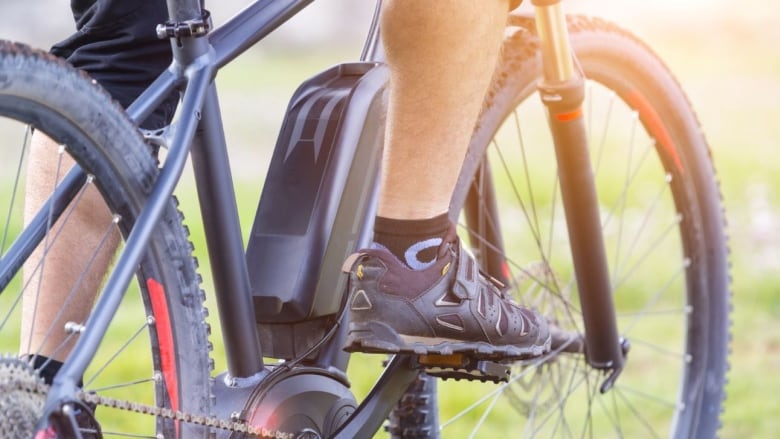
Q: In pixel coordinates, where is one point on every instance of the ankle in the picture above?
(47, 367)
(414, 242)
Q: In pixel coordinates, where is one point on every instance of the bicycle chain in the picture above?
(206, 421)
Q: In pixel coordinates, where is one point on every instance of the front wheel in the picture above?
(663, 228)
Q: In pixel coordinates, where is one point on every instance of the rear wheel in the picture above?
(156, 350)
(664, 234)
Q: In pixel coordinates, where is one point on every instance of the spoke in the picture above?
(121, 385)
(589, 106)
(551, 411)
(612, 414)
(518, 197)
(59, 348)
(572, 372)
(511, 262)
(475, 404)
(667, 232)
(624, 192)
(38, 266)
(636, 413)
(592, 390)
(530, 413)
(660, 349)
(529, 185)
(644, 395)
(36, 297)
(6, 230)
(531, 217)
(484, 416)
(553, 290)
(563, 399)
(659, 313)
(14, 304)
(603, 142)
(645, 220)
(118, 352)
(553, 211)
(656, 297)
(79, 281)
(608, 415)
(623, 199)
(531, 366)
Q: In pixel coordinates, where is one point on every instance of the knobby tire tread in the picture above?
(125, 169)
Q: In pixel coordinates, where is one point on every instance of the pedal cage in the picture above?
(463, 367)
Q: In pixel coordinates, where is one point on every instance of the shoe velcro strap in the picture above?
(466, 284)
(349, 263)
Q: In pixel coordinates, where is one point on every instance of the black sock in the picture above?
(47, 367)
(414, 242)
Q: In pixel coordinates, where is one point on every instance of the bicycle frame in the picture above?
(199, 133)
(196, 61)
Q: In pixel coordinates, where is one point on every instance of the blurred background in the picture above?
(725, 54)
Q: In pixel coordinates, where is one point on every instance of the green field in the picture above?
(732, 76)
(730, 68)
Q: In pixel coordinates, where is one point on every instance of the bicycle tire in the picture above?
(673, 384)
(43, 92)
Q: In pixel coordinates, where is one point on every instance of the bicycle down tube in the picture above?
(195, 64)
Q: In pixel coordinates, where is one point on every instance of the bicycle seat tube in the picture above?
(199, 73)
(187, 29)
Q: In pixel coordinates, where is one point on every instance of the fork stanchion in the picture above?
(562, 91)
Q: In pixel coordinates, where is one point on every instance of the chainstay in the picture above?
(207, 421)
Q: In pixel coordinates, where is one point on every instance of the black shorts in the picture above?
(116, 44)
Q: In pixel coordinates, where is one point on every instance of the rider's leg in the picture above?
(441, 57)
(59, 279)
(117, 45)
(416, 291)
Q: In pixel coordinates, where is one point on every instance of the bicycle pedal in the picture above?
(463, 367)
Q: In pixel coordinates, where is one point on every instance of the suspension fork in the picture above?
(562, 91)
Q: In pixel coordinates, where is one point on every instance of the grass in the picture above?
(734, 85)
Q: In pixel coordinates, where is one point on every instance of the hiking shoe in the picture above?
(448, 308)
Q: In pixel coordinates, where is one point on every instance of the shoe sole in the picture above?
(379, 338)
